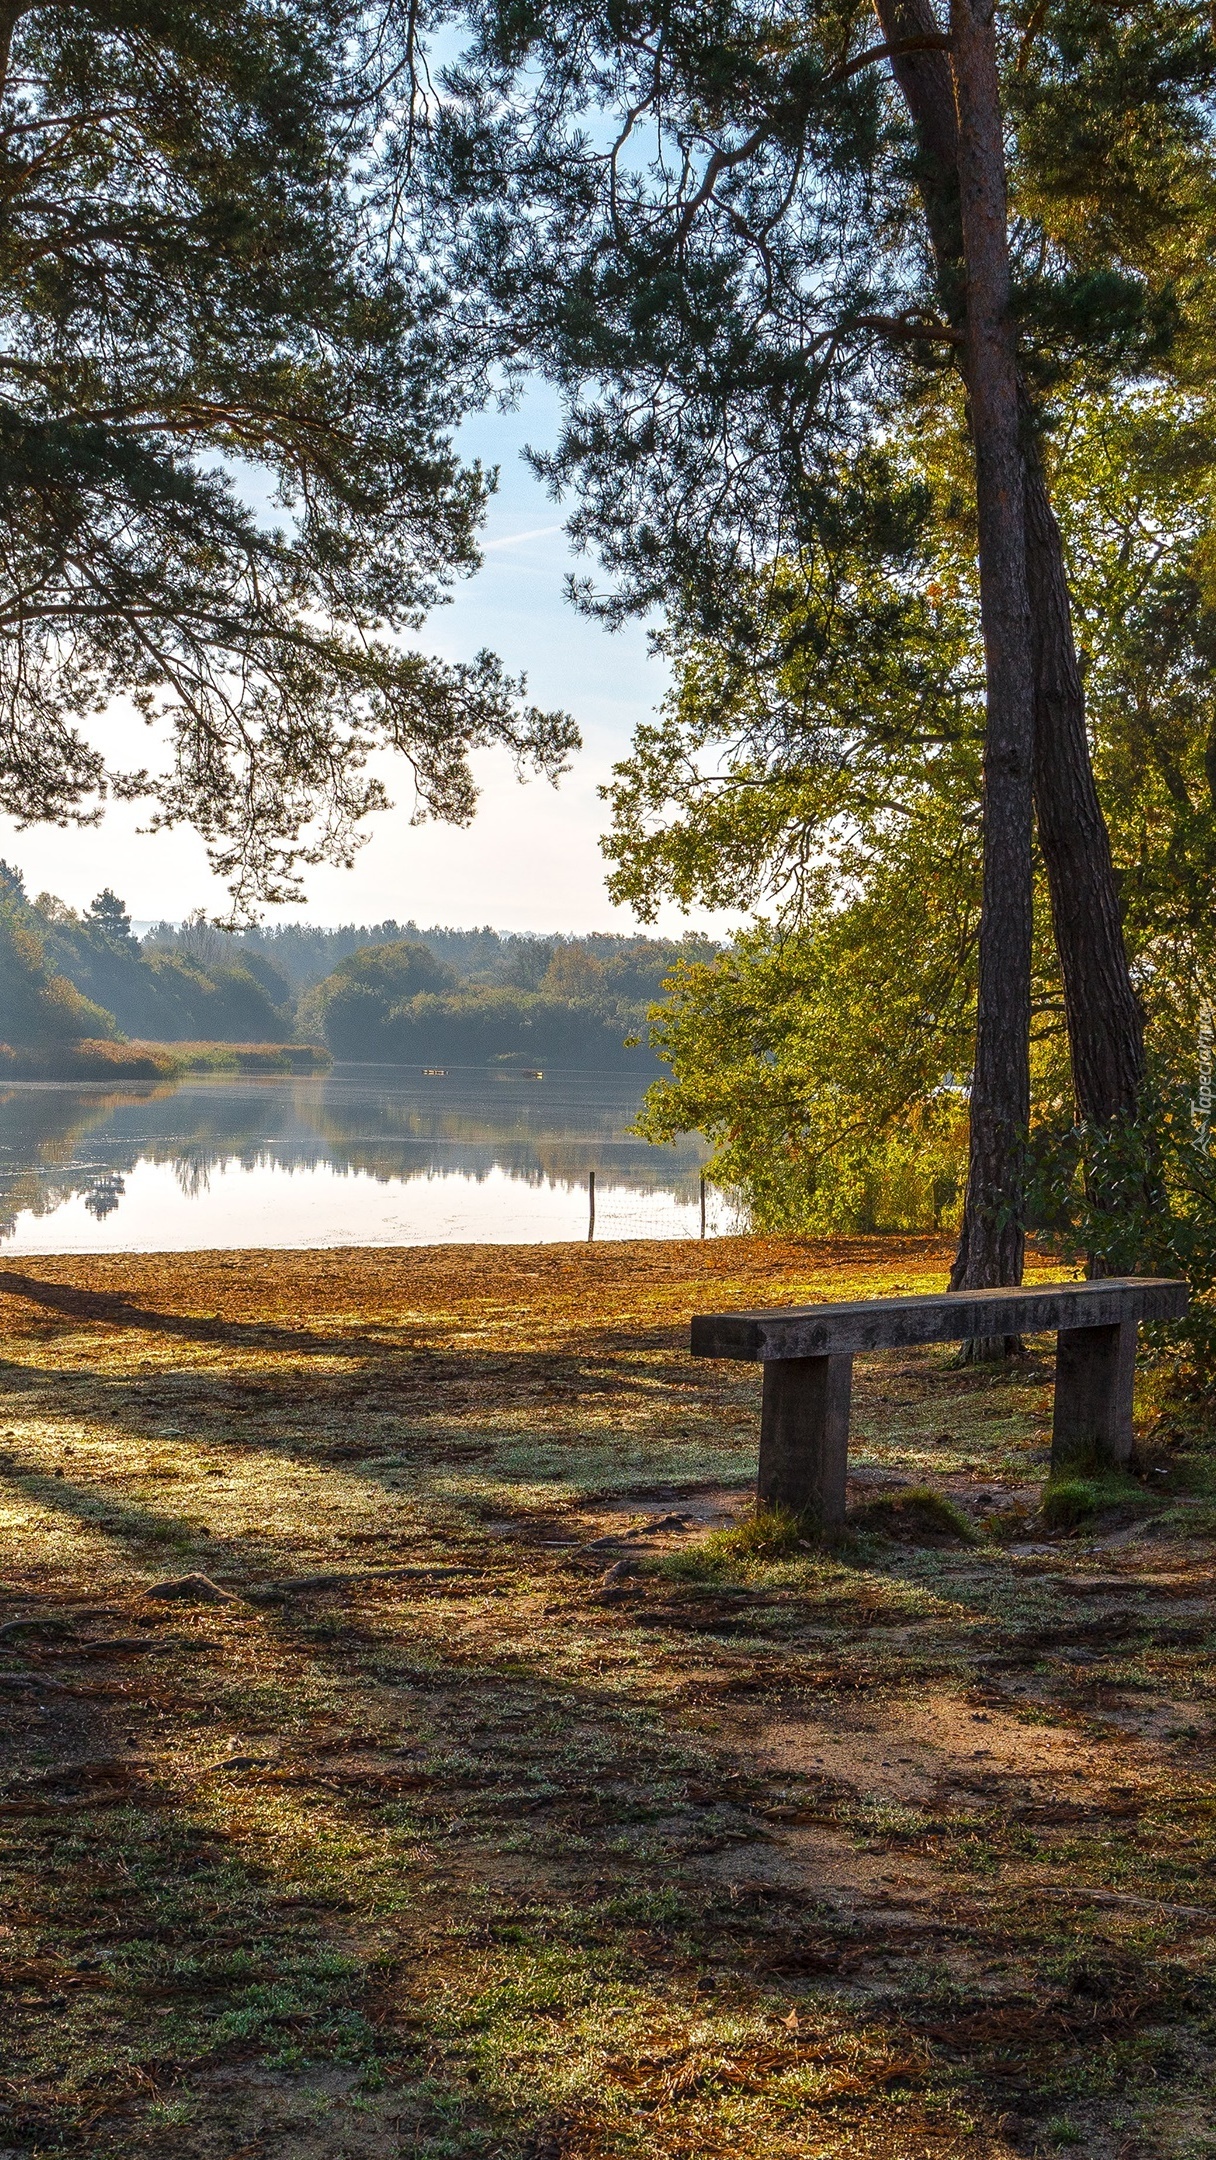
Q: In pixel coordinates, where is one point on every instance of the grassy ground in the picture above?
(901, 1851)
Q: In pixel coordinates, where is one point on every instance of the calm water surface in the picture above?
(365, 1155)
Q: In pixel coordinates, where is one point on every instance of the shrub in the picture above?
(103, 1060)
(352, 1010)
(828, 1101)
(396, 1004)
(1139, 1198)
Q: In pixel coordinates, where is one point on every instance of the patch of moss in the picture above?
(917, 1516)
(1075, 1498)
(769, 1534)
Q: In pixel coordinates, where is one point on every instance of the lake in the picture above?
(364, 1155)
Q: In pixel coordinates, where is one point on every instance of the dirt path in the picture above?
(421, 1838)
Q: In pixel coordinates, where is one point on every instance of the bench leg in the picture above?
(1095, 1376)
(804, 1437)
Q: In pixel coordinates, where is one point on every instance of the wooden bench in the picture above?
(807, 1352)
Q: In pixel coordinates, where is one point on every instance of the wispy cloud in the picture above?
(541, 532)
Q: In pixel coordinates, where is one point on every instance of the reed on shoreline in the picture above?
(96, 1059)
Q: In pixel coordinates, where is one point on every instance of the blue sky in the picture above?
(530, 860)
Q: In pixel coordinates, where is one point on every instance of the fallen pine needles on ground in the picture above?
(499, 1786)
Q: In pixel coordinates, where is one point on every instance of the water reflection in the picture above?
(360, 1155)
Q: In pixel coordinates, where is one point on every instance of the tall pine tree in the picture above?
(746, 243)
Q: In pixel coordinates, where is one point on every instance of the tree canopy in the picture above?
(750, 247)
(227, 485)
(704, 223)
(823, 1052)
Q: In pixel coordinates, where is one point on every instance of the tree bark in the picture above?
(1105, 1024)
(9, 18)
(992, 1241)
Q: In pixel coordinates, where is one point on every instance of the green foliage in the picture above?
(820, 1053)
(1140, 1198)
(108, 923)
(354, 1008)
(712, 242)
(1135, 486)
(397, 1002)
(179, 1001)
(824, 1055)
(858, 710)
(816, 1064)
(162, 995)
(299, 953)
(387, 998)
(715, 245)
(398, 970)
(372, 1010)
(226, 475)
(38, 1006)
(302, 954)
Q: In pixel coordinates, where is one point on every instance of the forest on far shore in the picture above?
(386, 992)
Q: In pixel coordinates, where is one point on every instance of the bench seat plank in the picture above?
(844, 1329)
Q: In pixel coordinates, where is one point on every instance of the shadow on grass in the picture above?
(198, 1933)
(476, 1906)
(114, 1311)
(474, 1903)
(385, 1425)
(478, 1887)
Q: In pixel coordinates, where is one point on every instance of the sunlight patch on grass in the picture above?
(516, 1868)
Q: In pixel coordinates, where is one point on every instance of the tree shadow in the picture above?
(582, 1837)
(538, 1815)
(113, 1310)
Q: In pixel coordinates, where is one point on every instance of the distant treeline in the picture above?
(399, 1003)
(382, 992)
(303, 956)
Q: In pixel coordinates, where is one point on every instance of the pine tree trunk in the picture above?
(992, 1241)
(1105, 1024)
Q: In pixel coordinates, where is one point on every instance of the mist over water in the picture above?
(365, 1155)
